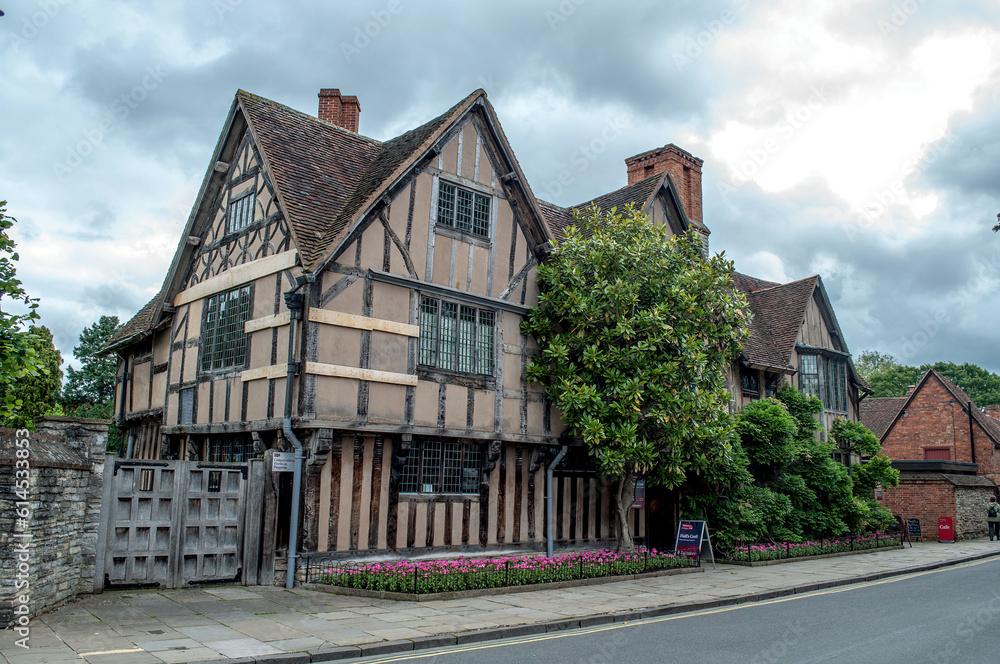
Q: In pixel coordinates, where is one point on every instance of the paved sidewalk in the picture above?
(263, 623)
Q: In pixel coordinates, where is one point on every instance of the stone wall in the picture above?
(971, 504)
(53, 549)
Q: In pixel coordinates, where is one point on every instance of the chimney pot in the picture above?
(343, 111)
(684, 169)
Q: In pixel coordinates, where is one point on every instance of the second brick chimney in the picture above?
(684, 169)
(343, 111)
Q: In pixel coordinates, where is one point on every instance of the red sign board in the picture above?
(946, 530)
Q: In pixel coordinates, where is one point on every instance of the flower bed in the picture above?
(777, 550)
(436, 576)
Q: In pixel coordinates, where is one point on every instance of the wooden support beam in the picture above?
(272, 371)
(236, 276)
(362, 322)
(277, 320)
(337, 371)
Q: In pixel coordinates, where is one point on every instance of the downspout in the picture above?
(972, 438)
(549, 534)
(293, 301)
(121, 410)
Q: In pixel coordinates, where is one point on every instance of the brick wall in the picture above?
(923, 497)
(64, 503)
(928, 496)
(935, 419)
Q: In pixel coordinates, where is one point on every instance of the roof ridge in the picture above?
(660, 175)
(284, 107)
(789, 283)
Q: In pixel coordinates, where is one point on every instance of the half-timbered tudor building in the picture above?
(392, 277)
(402, 271)
(795, 339)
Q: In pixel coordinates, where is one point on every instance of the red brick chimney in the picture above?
(343, 111)
(993, 410)
(684, 169)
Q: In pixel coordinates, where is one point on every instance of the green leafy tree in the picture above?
(872, 362)
(636, 331)
(894, 381)
(982, 386)
(18, 359)
(796, 489)
(38, 393)
(89, 390)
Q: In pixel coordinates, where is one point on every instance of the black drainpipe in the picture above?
(972, 440)
(121, 409)
(294, 303)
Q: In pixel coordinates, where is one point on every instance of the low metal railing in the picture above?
(763, 551)
(435, 576)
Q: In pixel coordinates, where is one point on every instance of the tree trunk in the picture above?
(623, 490)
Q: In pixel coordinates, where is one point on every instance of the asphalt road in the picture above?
(947, 615)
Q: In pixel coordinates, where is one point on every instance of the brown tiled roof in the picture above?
(877, 413)
(783, 308)
(749, 284)
(989, 425)
(559, 218)
(316, 166)
(141, 322)
(380, 168)
(778, 310)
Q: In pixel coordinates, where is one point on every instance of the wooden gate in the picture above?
(174, 523)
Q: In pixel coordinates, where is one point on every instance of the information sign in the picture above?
(283, 462)
(639, 493)
(689, 536)
(913, 527)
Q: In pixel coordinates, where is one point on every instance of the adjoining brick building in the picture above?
(947, 452)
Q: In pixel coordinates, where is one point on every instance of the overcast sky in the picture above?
(856, 139)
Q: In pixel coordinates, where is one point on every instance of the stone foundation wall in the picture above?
(47, 552)
(970, 505)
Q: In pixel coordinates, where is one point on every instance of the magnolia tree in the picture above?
(636, 330)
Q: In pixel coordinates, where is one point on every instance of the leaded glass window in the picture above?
(463, 209)
(224, 341)
(809, 375)
(834, 384)
(239, 215)
(436, 467)
(456, 337)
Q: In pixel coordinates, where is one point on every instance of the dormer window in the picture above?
(463, 210)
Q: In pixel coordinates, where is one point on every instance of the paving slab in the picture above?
(245, 647)
(265, 622)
